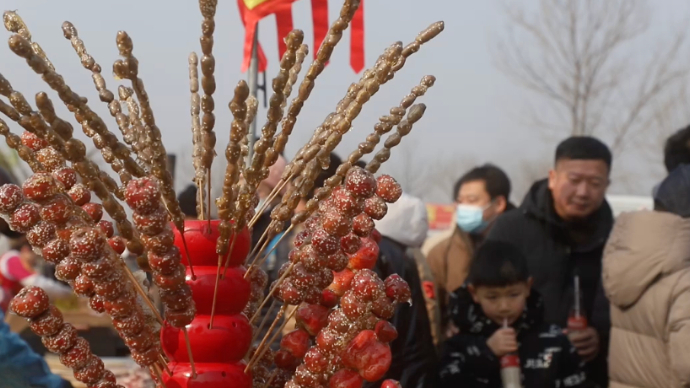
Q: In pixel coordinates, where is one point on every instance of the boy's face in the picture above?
(502, 303)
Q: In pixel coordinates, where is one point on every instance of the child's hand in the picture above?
(503, 342)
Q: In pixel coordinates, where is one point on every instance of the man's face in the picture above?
(578, 187)
(474, 193)
(502, 303)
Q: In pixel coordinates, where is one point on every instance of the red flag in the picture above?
(251, 11)
(357, 39)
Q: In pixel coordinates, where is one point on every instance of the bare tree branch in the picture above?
(578, 54)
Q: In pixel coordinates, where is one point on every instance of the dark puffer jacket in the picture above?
(555, 252)
(414, 356)
(547, 358)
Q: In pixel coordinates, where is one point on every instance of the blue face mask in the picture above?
(470, 218)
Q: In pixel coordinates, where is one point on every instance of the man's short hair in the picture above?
(583, 148)
(498, 264)
(677, 149)
(496, 181)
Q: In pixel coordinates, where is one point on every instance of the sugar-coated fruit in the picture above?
(366, 256)
(111, 287)
(80, 194)
(328, 298)
(301, 238)
(180, 318)
(362, 225)
(40, 187)
(296, 342)
(57, 210)
(336, 224)
(41, 234)
(140, 342)
(284, 359)
(25, 217)
(383, 308)
(342, 281)
(146, 357)
(345, 378)
(370, 357)
(327, 339)
(60, 342)
(346, 202)
(118, 244)
(388, 188)
(385, 331)
(87, 244)
(397, 289)
(11, 196)
(47, 323)
(312, 318)
(50, 159)
(143, 195)
(98, 269)
(32, 141)
(77, 356)
(106, 227)
(367, 285)
(390, 384)
(94, 210)
(55, 251)
(83, 285)
(96, 304)
(353, 307)
(360, 182)
(337, 261)
(350, 243)
(90, 373)
(68, 269)
(30, 302)
(375, 207)
(324, 243)
(151, 223)
(66, 176)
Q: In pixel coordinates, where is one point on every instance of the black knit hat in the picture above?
(674, 192)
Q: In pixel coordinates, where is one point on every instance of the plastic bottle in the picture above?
(510, 368)
(577, 321)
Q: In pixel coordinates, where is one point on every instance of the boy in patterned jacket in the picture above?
(498, 314)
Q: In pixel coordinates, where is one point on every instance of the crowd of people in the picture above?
(555, 287)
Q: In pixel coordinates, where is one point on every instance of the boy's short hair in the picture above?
(498, 264)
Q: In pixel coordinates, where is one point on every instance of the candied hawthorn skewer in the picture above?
(61, 338)
(103, 139)
(197, 137)
(334, 127)
(83, 257)
(14, 23)
(208, 84)
(83, 114)
(128, 68)
(307, 85)
(58, 135)
(143, 196)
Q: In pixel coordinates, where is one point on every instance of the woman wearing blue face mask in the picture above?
(481, 196)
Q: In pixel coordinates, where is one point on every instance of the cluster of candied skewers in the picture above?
(341, 306)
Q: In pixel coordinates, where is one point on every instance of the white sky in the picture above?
(473, 111)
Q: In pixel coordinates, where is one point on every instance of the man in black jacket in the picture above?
(561, 227)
